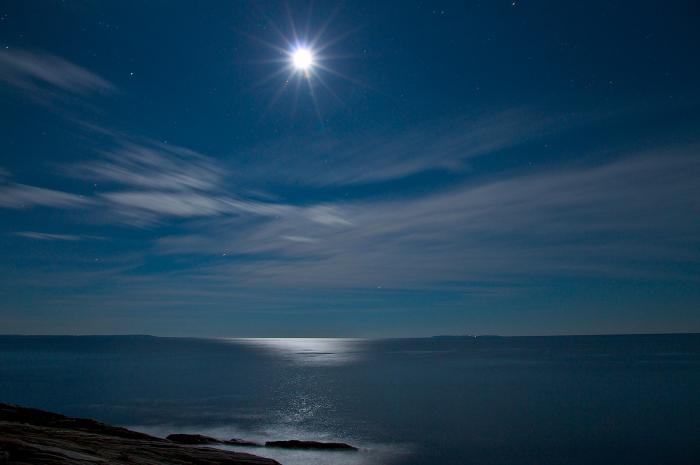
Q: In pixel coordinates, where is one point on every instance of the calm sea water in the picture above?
(556, 400)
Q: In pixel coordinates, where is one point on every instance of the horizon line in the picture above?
(456, 336)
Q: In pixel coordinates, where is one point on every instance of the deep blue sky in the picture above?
(507, 167)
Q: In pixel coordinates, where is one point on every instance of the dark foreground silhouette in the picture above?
(182, 438)
(192, 439)
(31, 436)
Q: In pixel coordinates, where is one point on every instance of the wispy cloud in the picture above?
(144, 208)
(42, 236)
(154, 165)
(628, 217)
(146, 182)
(19, 196)
(39, 72)
(372, 157)
(517, 234)
(621, 219)
(147, 205)
(302, 239)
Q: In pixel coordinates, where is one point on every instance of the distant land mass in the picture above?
(464, 336)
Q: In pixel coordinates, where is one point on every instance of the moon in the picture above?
(302, 59)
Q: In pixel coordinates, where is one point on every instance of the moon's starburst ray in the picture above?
(312, 93)
(307, 26)
(274, 26)
(325, 58)
(292, 24)
(270, 77)
(319, 34)
(277, 95)
(343, 76)
(328, 88)
(295, 100)
(319, 47)
(264, 42)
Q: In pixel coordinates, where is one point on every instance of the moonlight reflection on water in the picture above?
(312, 351)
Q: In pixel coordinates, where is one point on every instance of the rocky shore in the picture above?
(35, 437)
(289, 444)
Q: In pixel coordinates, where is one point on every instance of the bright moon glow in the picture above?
(302, 59)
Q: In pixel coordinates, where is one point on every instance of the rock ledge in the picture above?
(295, 444)
(31, 436)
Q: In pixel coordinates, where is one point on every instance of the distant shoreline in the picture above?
(438, 336)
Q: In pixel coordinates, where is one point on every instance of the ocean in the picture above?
(434, 401)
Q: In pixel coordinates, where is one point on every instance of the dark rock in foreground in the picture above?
(199, 439)
(36, 417)
(241, 442)
(30, 436)
(192, 439)
(295, 444)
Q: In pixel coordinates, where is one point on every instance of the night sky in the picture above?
(495, 167)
